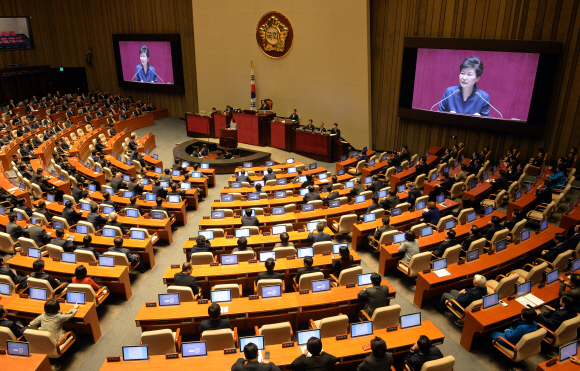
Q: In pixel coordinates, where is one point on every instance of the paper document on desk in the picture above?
(442, 272)
(12, 189)
(530, 300)
(306, 352)
(225, 309)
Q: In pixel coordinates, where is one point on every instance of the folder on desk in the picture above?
(530, 300)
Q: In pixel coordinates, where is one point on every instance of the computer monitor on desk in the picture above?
(361, 329)
(490, 300)
(411, 320)
(567, 351)
(135, 353)
(168, 299)
(321, 285)
(274, 291)
(265, 255)
(229, 259)
(242, 232)
(193, 349)
(304, 252)
(364, 279)
(304, 336)
(221, 296)
(472, 255)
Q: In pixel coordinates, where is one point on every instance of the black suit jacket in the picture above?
(416, 359)
(269, 177)
(15, 278)
(554, 319)
(136, 188)
(54, 283)
(116, 184)
(71, 216)
(118, 224)
(390, 202)
(376, 297)
(15, 231)
(470, 295)
(373, 363)
(268, 276)
(39, 235)
(376, 186)
(311, 196)
(159, 191)
(444, 246)
(491, 231)
(77, 194)
(186, 280)
(305, 270)
(544, 196)
(241, 365)
(215, 324)
(96, 220)
(135, 206)
(250, 221)
(319, 237)
(66, 245)
(573, 293)
(465, 244)
(89, 248)
(319, 363)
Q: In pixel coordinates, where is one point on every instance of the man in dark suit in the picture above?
(380, 230)
(543, 194)
(317, 359)
(422, 352)
(86, 246)
(158, 206)
(357, 189)
(269, 274)
(405, 155)
(574, 292)
(113, 222)
(77, 193)
(391, 201)
(320, 235)
(13, 229)
(135, 186)
(202, 245)
(158, 190)
(117, 182)
(335, 130)
(310, 126)
(473, 236)
(133, 259)
(133, 205)
(450, 241)
(269, 175)
(553, 318)
(38, 268)
(66, 245)
(107, 201)
(38, 234)
(100, 147)
(308, 268)
(243, 177)
(466, 296)
(376, 296)
(214, 322)
(311, 195)
(184, 278)
(500, 183)
(71, 216)
(494, 226)
(376, 185)
(11, 104)
(95, 218)
(5, 271)
(175, 192)
(248, 220)
(560, 246)
(413, 193)
(374, 206)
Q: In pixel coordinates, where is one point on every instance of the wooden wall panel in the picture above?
(552, 20)
(64, 30)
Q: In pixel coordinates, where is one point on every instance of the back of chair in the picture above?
(27, 243)
(441, 364)
(321, 247)
(462, 217)
(420, 181)
(379, 213)
(306, 280)
(529, 345)
(566, 332)
(536, 274)
(419, 262)
(267, 282)
(254, 231)
(456, 190)
(517, 230)
(6, 243)
(234, 289)
(317, 203)
(41, 342)
(89, 225)
(332, 326)
(349, 275)
(90, 296)
(55, 251)
(244, 255)
(498, 236)
(218, 339)
(198, 258)
(6, 334)
(185, 293)
(385, 317)
(561, 261)
(276, 333)
(120, 258)
(159, 342)
(404, 206)
(282, 252)
(506, 286)
(452, 254)
(218, 232)
(442, 221)
(346, 222)
(478, 245)
(84, 256)
(8, 280)
(41, 284)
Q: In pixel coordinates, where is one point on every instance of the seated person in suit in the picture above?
(201, 245)
(269, 175)
(363, 157)
(517, 217)
(376, 185)
(95, 218)
(16, 327)
(500, 183)
(38, 234)
(543, 194)
(550, 254)
(16, 278)
(250, 361)
(539, 159)
(71, 216)
(284, 241)
(393, 161)
(308, 268)
(374, 206)
(243, 246)
(311, 195)
(248, 220)
(258, 188)
(158, 206)
(357, 189)
(553, 318)
(444, 187)
(574, 292)
(243, 177)
(184, 278)
(466, 296)
(135, 186)
(108, 201)
(321, 128)
(133, 259)
(66, 245)
(214, 322)
(133, 205)
(320, 235)
(113, 222)
(376, 296)
(38, 268)
(391, 201)
(525, 326)
(558, 179)
(494, 226)
(117, 182)
(379, 359)
(410, 246)
(431, 214)
(310, 126)
(175, 192)
(335, 130)
(269, 274)
(344, 261)
(309, 182)
(316, 359)
(450, 241)
(264, 106)
(86, 246)
(413, 193)
(380, 230)
(422, 352)
(473, 236)
(166, 177)
(422, 167)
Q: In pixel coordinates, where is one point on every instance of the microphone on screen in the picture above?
(479, 95)
(158, 76)
(447, 97)
(137, 72)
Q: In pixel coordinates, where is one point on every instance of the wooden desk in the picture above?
(284, 175)
(390, 254)
(351, 161)
(258, 242)
(198, 124)
(569, 220)
(196, 182)
(500, 317)
(86, 172)
(263, 168)
(85, 320)
(479, 192)
(64, 187)
(245, 273)
(429, 285)
(36, 362)
(209, 173)
(115, 278)
(245, 314)
(253, 128)
(122, 166)
(315, 145)
(564, 366)
(287, 187)
(8, 187)
(282, 135)
(349, 352)
(527, 199)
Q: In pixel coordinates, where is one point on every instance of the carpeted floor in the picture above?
(117, 317)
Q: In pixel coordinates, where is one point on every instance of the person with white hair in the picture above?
(113, 222)
(466, 296)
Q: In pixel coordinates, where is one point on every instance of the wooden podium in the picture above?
(228, 138)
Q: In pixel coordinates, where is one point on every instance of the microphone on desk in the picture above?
(444, 99)
(479, 95)
(137, 72)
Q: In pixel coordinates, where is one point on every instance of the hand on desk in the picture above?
(575, 360)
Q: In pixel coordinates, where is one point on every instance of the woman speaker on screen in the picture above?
(466, 98)
(144, 72)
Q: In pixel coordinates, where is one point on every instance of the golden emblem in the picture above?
(274, 34)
